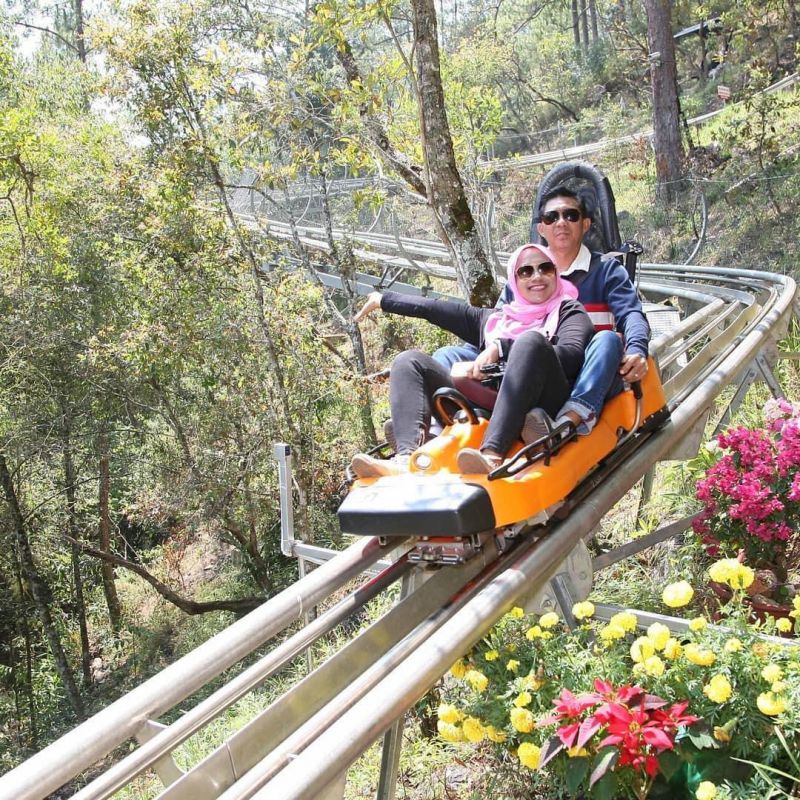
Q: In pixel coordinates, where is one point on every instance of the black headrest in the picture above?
(594, 189)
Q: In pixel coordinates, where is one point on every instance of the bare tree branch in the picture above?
(242, 606)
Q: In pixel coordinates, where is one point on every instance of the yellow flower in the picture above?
(449, 732)
(477, 680)
(534, 633)
(642, 649)
(654, 666)
(491, 655)
(583, 610)
(770, 704)
(697, 624)
(494, 734)
(512, 665)
(626, 620)
(577, 752)
(718, 689)
(638, 669)
(516, 613)
(701, 656)
(529, 754)
(523, 699)
(721, 735)
(473, 730)
(778, 687)
(610, 633)
(783, 625)
(732, 572)
(795, 612)
(659, 635)
(532, 682)
(549, 620)
(771, 673)
(449, 713)
(706, 791)
(760, 649)
(459, 669)
(673, 649)
(733, 645)
(521, 720)
(677, 594)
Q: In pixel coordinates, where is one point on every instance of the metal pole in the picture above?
(283, 455)
(393, 738)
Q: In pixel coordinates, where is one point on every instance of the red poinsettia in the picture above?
(638, 736)
(635, 723)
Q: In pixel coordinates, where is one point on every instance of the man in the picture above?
(606, 291)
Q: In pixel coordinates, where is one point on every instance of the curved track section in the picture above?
(301, 744)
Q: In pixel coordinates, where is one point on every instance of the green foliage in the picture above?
(739, 687)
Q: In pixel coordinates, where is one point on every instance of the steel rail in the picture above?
(308, 732)
(96, 737)
(175, 734)
(769, 310)
(335, 748)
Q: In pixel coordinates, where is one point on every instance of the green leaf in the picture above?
(576, 772)
(669, 763)
(606, 787)
(702, 740)
(551, 749)
(603, 762)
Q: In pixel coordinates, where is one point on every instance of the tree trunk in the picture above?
(593, 19)
(106, 569)
(445, 189)
(72, 529)
(376, 132)
(26, 633)
(666, 113)
(346, 268)
(80, 40)
(585, 24)
(38, 590)
(576, 26)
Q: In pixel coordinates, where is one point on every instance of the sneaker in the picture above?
(365, 466)
(538, 423)
(388, 434)
(473, 462)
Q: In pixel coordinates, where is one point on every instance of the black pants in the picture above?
(533, 378)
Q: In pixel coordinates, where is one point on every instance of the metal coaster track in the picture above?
(301, 745)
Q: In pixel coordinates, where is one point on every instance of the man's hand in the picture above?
(373, 304)
(491, 355)
(633, 367)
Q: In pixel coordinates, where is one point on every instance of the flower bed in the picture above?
(608, 711)
(751, 491)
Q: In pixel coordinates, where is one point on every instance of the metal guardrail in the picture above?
(299, 746)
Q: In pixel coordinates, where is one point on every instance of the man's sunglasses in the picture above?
(527, 270)
(568, 214)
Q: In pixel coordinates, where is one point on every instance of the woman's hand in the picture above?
(491, 355)
(373, 304)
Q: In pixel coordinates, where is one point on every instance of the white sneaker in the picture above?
(365, 466)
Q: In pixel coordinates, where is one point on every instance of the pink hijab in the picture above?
(520, 315)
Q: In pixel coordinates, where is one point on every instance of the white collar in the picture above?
(581, 262)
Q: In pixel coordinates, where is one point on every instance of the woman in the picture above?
(541, 335)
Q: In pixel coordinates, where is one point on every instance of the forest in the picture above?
(164, 312)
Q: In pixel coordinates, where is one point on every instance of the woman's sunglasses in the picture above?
(527, 270)
(568, 214)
